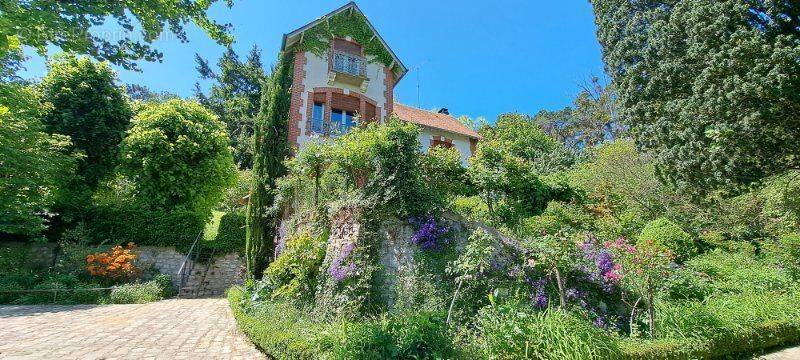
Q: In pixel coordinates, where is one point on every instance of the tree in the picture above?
(142, 93)
(644, 269)
(473, 123)
(32, 162)
(271, 147)
(521, 137)
(11, 63)
(235, 97)
(590, 121)
(71, 26)
(86, 105)
(712, 88)
(510, 164)
(177, 155)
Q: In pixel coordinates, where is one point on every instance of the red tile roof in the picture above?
(433, 120)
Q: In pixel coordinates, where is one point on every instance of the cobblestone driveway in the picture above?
(169, 329)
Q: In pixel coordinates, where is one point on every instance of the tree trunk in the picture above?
(651, 316)
(633, 313)
(453, 302)
(560, 283)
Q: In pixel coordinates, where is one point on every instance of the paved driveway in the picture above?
(169, 329)
(785, 354)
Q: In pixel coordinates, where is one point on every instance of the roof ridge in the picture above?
(455, 126)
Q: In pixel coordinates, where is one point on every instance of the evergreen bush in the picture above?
(666, 233)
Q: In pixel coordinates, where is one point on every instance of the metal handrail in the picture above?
(202, 286)
(181, 271)
(349, 64)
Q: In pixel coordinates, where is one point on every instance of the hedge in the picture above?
(283, 331)
(282, 337)
(724, 326)
(122, 224)
(741, 342)
(231, 234)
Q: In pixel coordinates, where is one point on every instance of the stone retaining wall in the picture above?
(205, 279)
(210, 278)
(39, 255)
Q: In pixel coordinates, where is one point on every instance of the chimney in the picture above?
(444, 111)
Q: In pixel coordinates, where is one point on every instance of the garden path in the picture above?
(169, 329)
(785, 354)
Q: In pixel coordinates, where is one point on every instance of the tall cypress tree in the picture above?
(271, 147)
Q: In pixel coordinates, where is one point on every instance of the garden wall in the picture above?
(39, 255)
(206, 279)
(395, 249)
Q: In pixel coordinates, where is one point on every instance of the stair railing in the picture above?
(186, 271)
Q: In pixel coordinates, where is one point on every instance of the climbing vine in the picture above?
(344, 24)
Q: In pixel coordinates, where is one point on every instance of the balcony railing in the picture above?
(349, 64)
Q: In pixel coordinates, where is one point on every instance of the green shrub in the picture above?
(231, 234)
(397, 336)
(722, 326)
(558, 216)
(661, 349)
(740, 272)
(668, 234)
(421, 335)
(177, 154)
(471, 207)
(285, 332)
(442, 170)
(139, 293)
(293, 275)
(790, 252)
(278, 328)
(235, 196)
(508, 332)
(687, 284)
(13, 280)
(12, 258)
(123, 223)
(70, 290)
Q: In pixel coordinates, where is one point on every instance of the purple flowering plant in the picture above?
(339, 270)
(430, 235)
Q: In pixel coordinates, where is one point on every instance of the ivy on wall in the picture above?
(346, 23)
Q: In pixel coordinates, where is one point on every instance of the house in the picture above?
(344, 73)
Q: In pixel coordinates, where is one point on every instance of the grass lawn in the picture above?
(212, 226)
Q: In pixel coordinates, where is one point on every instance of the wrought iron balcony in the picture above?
(349, 64)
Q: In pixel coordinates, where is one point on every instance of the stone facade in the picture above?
(210, 278)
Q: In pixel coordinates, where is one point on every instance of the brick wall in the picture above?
(297, 97)
(389, 94)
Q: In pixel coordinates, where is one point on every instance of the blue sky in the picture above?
(475, 58)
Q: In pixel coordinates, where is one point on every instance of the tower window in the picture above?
(317, 118)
